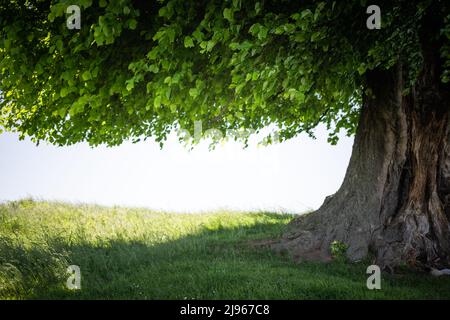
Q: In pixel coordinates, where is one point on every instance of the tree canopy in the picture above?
(140, 68)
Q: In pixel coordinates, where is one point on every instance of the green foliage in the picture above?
(338, 250)
(142, 68)
(128, 253)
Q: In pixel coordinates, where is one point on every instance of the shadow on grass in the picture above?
(210, 264)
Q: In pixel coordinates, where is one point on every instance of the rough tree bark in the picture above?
(394, 202)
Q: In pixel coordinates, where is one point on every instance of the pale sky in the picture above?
(292, 176)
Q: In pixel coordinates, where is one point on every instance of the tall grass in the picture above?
(140, 254)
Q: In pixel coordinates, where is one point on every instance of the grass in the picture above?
(139, 254)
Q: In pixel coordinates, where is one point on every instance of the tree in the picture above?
(143, 68)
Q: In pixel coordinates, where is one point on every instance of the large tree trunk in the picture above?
(394, 202)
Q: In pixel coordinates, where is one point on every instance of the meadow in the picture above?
(132, 253)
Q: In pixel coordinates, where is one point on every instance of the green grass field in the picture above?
(139, 254)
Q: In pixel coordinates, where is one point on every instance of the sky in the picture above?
(292, 176)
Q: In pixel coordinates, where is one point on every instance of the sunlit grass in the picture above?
(139, 254)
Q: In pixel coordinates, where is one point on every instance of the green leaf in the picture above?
(85, 3)
(59, 44)
(210, 45)
(257, 7)
(262, 34)
(362, 69)
(306, 13)
(193, 92)
(228, 14)
(188, 42)
(157, 102)
(315, 36)
(153, 68)
(132, 24)
(171, 34)
(86, 75)
(198, 35)
(64, 92)
(130, 85)
(254, 29)
(102, 21)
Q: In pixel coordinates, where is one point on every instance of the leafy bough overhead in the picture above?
(143, 68)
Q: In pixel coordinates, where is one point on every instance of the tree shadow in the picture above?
(209, 264)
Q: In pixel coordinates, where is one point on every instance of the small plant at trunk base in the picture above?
(338, 251)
